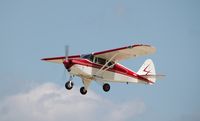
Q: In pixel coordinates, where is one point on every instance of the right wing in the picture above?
(126, 52)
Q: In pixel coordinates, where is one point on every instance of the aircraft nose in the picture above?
(67, 64)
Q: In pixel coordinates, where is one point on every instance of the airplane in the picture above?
(104, 67)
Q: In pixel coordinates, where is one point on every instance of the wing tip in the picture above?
(44, 59)
(134, 45)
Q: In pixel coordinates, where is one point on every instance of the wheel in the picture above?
(83, 91)
(69, 85)
(106, 87)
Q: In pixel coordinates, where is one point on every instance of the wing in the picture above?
(127, 52)
(59, 59)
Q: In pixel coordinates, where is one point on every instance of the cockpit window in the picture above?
(88, 56)
(97, 60)
(101, 61)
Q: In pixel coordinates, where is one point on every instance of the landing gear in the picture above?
(83, 91)
(69, 85)
(106, 87)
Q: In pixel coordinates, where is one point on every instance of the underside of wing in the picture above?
(127, 52)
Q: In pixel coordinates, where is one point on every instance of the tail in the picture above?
(147, 70)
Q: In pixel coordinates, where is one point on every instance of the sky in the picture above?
(33, 90)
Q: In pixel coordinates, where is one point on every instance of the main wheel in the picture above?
(106, 87)
(83, 91)
(69, 85)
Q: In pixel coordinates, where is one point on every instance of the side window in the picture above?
(99, 60)
(102, 61)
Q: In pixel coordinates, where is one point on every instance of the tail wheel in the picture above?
(106, 87)
(83, 91)
(69, 85)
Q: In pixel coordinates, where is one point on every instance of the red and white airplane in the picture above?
(104, 67)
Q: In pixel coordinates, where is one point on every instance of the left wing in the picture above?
(59, 59)
(126, 52)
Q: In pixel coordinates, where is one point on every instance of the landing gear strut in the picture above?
(106, 87)
(83, 91)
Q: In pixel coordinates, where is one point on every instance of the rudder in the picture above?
(147, 70)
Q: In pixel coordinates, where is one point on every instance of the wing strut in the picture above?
(107, 68)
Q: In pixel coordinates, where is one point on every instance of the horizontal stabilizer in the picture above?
(153, 77)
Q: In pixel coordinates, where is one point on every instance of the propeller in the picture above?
(66, 52)
(67, 61)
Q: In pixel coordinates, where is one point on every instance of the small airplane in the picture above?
(104, 67)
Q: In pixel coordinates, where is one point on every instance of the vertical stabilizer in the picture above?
(147, 70)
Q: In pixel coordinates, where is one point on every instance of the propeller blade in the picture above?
(66, 52)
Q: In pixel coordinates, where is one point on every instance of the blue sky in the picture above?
(31, 30)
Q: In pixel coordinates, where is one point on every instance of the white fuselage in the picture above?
(94, 74)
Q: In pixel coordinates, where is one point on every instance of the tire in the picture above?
(69, 85)
(83, 91)
(106, 87)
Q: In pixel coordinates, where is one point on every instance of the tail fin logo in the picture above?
(147, 71)
(147, 68)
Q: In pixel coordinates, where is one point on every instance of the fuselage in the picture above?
(88, 67)
(103, 66)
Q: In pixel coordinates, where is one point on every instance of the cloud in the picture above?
(51, 102)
